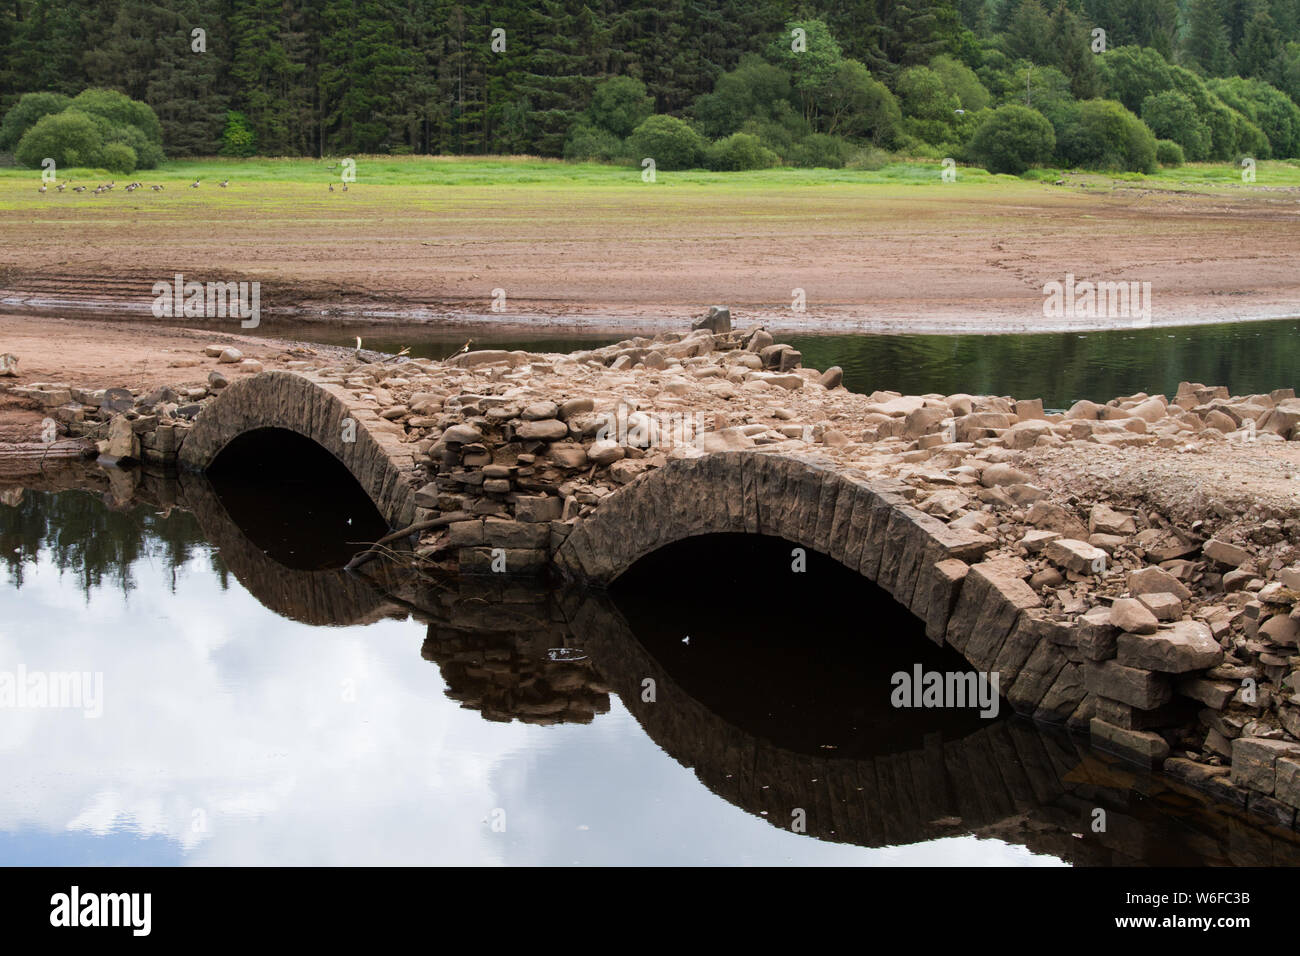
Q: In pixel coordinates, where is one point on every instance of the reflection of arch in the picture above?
(327, 597)
(382, 463)
(1012, 780)
(943, 789)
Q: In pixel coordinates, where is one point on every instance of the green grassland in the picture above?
(499, 171)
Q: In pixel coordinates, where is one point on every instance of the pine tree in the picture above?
(1206, 42)
(1072, 47)
(1260, 47)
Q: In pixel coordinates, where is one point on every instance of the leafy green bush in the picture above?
(238, 138)
(1013, 138)
(24, 114)
(777, 136)
(121, 110)
(587, 143)
(820, 150)
(670, 142)
(911, 147)
(739, 151)
(1268, 109)
(1172, 115)
(117, 158)
(1102, 134)
(148, 155)
(1130, 74)
(619, 105)
(961, 81)
(754, 91)
(855, 104)
(1169, 153)
(922, 95)
(70, 138)
(79, 133)
(1251, 141)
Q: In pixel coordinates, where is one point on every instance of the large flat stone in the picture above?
(1184, 646)
(1077, 556)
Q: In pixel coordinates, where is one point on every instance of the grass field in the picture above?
(540, 173)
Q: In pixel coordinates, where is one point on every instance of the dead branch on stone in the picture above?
(430, 524)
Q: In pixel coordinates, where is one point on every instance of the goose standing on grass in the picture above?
(195, 184)
(345, 187)
(156, 188)
(331, 187)
(224, 183)
(62, 186)
(78, 189)
(42, 189)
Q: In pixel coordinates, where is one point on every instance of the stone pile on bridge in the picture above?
(1087, 555)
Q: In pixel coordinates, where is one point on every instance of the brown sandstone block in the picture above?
(1142, 745)
(1129, 685)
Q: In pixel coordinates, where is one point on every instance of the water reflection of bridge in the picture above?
(495, 641)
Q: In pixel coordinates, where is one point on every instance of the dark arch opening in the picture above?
(804, 660)
(294, 500)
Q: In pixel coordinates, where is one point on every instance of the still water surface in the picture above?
(258, 713)
(1059, 368)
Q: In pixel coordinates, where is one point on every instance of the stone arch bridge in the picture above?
(527, 486)
(993, 618)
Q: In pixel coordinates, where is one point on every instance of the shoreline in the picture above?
(612, 323)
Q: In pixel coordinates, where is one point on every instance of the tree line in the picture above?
(725, 83)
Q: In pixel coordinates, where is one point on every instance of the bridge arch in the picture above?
(383, 464)
(982, 608)
(866, 524)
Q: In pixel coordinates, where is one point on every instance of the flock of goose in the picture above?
(109, 186)
(132, 187)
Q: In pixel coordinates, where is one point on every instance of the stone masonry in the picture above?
(1166, 627)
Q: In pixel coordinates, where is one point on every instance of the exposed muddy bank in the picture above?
(976, 318)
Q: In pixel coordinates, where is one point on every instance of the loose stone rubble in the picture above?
(1154, 543)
